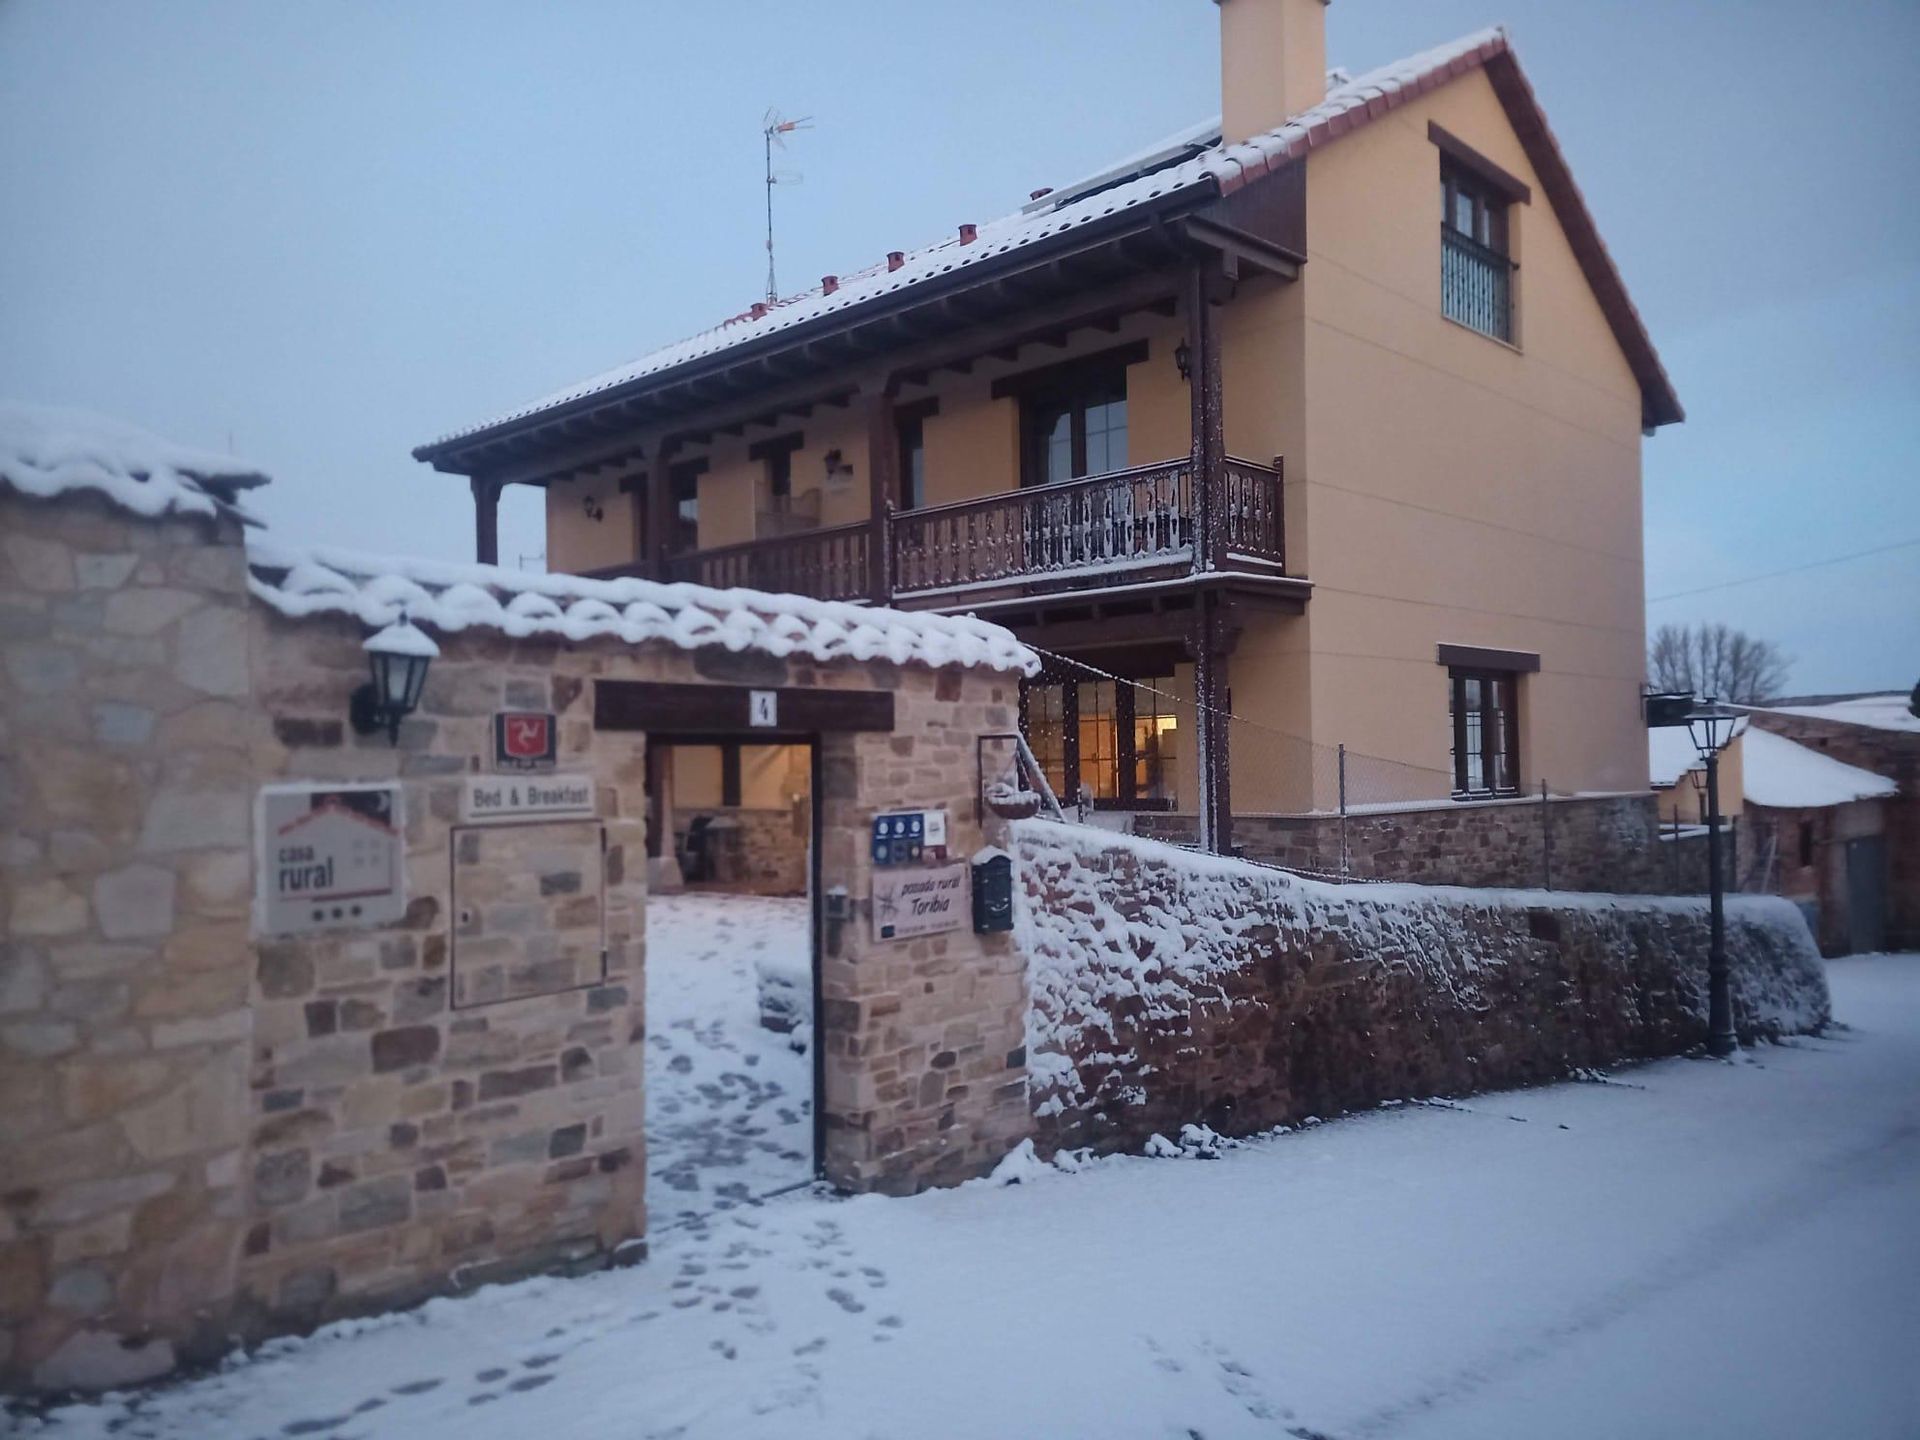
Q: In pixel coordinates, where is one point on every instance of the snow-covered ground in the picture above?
(729, 1102)
(1686, 1249)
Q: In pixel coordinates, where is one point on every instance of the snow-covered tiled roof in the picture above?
(1224, 168)
(377, 590)
(1876, 712)
(1671, 752)
(1777, 772)
(47, 451)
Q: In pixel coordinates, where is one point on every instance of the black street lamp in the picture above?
(1710, 728)
(398, 657)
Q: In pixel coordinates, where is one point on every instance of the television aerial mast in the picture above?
(773, 131)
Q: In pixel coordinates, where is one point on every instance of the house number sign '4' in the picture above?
(763, 707)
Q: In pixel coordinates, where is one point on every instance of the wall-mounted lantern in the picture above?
(1183, 359)
(596, 512)
(838, 467)
(398, 656)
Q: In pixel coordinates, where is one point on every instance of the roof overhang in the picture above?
(1129, 261)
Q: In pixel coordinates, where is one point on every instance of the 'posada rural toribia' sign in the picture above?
(527, 797)
(913, 901)
(331, 857)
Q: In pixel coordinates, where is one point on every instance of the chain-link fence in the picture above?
(1124, 752)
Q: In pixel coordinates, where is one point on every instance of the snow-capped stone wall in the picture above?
(1169, 987)
(212, 1134)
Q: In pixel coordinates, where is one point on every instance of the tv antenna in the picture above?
(773, 131)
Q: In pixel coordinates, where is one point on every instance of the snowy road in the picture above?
(1694, 1250)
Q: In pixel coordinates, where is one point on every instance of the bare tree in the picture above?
(1716, 660)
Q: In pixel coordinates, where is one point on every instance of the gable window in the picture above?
(1476, 252)
(1485, 714)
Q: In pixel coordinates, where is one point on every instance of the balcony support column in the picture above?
(1209, 644)
(1207, 418)
(883, 485)
(486, 520)
(659, 502)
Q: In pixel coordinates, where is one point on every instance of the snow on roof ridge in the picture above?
(48, 451)
(299, 581)
(1786, 775)
(1876, 710)
(1226, 166)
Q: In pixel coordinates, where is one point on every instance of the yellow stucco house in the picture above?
(1325, 416)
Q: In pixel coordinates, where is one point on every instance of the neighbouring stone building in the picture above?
(1858, 859)
(209, 1133)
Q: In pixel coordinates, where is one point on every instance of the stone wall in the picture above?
(458, 1097)
(926, 1073)
(209, 1135)
(1171, 988)
(1606, 843)
(126, 787)
(1895, 754)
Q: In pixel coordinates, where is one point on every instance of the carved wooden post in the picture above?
(660, 505)
(1208, 644)
(1208, 423)
(486, 520)
(883, 486)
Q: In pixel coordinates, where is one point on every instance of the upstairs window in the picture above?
(1476, 277)
(1486, 732)
(910, 422)
(1477, 200)
(1073, 416)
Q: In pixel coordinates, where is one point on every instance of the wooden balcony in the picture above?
(1143, 525)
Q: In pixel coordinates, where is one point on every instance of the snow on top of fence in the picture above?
(378, 589)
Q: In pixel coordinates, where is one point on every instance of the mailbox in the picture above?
(992, 892)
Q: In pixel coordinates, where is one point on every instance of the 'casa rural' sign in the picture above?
(331, 857)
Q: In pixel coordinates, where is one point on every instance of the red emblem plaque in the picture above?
(524, 740)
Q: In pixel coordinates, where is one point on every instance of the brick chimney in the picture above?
(1273, 62)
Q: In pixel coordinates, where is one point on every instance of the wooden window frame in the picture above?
(776, 453)
(1126, 758)
(1506, 734)
(1068, 384)
(909, 427)
(683, 474)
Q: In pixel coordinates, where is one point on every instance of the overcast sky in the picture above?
(323, 233)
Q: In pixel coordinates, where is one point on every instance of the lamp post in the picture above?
(1710, 728)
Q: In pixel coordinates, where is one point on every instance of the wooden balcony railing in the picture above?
(1253, 511)
(1146, 519)
(829, 564)
(1138, 517)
